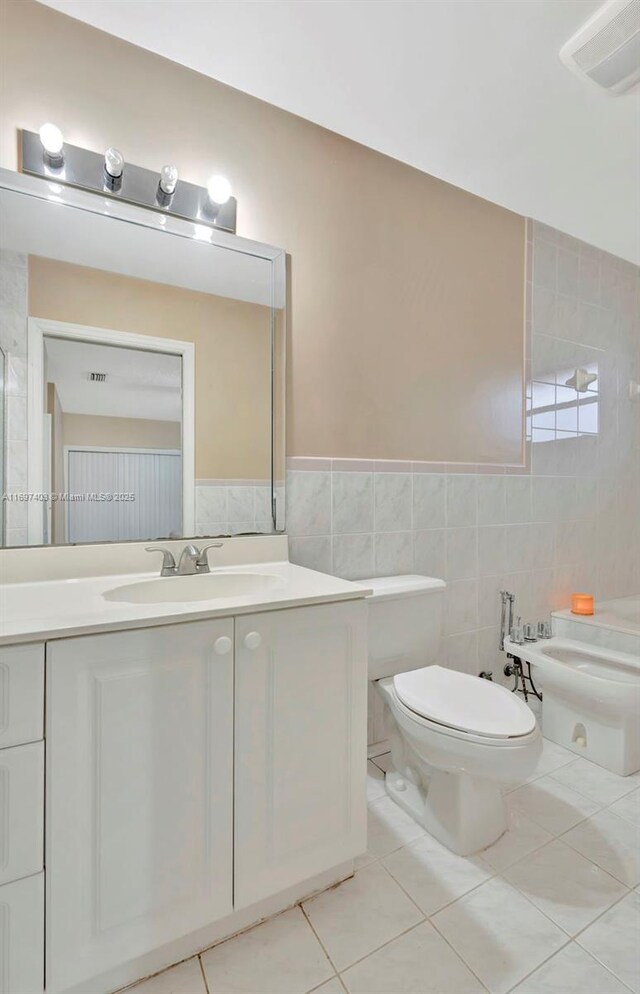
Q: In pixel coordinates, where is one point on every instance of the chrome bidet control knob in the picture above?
(530, 633)
(544, 630)
(517, 632)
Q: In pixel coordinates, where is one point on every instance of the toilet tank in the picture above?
(406, 623)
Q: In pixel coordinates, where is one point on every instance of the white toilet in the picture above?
(456, 741)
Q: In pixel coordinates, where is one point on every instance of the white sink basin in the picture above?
(206, 587)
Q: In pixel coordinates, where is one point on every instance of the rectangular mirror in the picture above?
(143, 364)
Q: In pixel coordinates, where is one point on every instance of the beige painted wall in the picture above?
(131, 433)
(232, 352)
(406, 293)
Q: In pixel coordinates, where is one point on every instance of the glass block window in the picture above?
(557, 410)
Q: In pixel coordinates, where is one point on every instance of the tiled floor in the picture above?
(549, 909)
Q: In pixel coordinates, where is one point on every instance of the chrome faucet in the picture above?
(192, 559)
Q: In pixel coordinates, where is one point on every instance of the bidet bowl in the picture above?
(591, 700)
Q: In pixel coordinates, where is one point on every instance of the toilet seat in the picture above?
(463, 703)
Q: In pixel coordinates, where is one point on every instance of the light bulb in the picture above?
(52, 140)
(113, 163)
(168, 179)
(219, 189)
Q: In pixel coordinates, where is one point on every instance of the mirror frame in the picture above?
(93, 203)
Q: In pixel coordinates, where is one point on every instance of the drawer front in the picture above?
(21, 811)
(21, 694)
(22, 936)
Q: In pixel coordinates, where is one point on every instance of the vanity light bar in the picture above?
(110, 176)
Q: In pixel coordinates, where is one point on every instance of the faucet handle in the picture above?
(202, 558)
(168, 562)
(544, 630)
(517, 632)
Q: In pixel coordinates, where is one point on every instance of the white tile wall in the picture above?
(229, 507)
(13, 342)
(569, 520)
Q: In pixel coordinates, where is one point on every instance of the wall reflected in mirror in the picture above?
(145, 379)
(113, 415)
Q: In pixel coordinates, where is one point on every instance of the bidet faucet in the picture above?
(506, 617)
(192, 559)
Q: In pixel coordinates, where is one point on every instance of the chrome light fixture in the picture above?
(212, 206)
(168, 180)
(113, 168)
(219, 190)
(52, 144)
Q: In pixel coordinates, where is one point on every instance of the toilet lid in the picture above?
(464, 702)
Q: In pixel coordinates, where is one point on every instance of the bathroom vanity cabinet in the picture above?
(192, 770)
(139, 792)
(21, 819)
(300, 744)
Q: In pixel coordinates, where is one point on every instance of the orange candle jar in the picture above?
(581, 604)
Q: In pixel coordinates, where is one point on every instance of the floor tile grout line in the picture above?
(204, 976)
(605, 967)
(547, 773)
(564, 830)
(542, 912)
(604, 804)
(564, 944)
(611, 874)
(606, 807)
(500, 874)
(383, 945)
(499, 870)
(423, 919)
(391, 876)
(623, 897)
(557, 953)
(559, 838)
(570, 938)
(553, 922)
(492, 875)
(427, 918)
(310, 924)
(313, 990)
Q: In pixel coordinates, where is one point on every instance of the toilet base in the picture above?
(465, 813)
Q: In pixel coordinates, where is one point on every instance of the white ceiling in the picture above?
(138, 384)
(471, 91)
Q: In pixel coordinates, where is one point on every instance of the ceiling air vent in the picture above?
(607, 48)
(97, 377)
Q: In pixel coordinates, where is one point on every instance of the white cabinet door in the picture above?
(139, 793)
(22, 936)
(300, 733)
(21, 811)
(21, 694)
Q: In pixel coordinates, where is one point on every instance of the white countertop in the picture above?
(60, 608)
